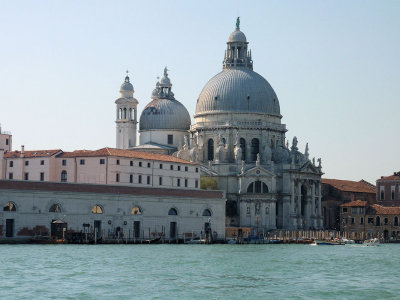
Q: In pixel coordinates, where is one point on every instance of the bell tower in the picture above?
(126, 118)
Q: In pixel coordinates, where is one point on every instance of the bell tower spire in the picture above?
(126, 118)
(236, 54)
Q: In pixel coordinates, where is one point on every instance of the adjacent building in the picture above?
(388, 190)
(365, 220)
(336, 192)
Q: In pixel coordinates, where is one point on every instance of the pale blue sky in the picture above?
(335, 66)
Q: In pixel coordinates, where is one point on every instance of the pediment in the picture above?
(258, 171)
(308, 167)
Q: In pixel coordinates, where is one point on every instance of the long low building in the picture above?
(45, 208)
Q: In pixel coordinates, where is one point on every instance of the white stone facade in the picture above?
(32, 204)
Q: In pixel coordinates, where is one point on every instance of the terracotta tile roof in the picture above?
(386, 210)
(32, 153)
(106, 189)
(361, 186)
(357, 203)
(124, 153)
(395, 176)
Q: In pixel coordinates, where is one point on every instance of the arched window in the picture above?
(125, 113)
(97, 209)
(378, 221)
(136, 211)
(257, 187)
(255, 149)
(130, 114)
(64, 176)
(385, 221)
(242, 143)
(382, 195)
(206, 213)
(210, 149)
(10, 206)
(172, 212)
(396, 221)
(55, 208)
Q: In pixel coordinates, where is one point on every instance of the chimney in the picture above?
(22, 151)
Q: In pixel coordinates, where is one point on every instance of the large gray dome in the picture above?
(164, 114)
(239, 91)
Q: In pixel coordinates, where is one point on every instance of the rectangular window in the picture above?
(117, 177)
(41, 176)
(196, 184)
(148, 179)
(197, 170)
(131, 178)
(26, 176)
(64, 162)
(102, 161)
(161, 166)
(178, 182)
(160, 181)
(352, 220)
(140, 179)
(361, 220)
(186, 183)
(27, 163)
(148, 165)
(10, 176)
(117, 161)
(370, 220)
(11, 164)
(7, 142)
(82, 162)
(171, 167)
(131, 163)
(354, 210)
(344, 209)
(140, 163)
(170, 139)
(186, 169)
(179, 168)
(42, 162)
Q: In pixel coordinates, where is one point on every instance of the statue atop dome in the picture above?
(238, 23)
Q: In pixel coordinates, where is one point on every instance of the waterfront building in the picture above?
(239, 140)
(102, 166)
(388, 190)
(30, 208)
(367, 220)
(336, 192)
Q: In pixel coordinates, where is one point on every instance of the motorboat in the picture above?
(196, 240)
(372, 242)
(329, 242)
(347, 241)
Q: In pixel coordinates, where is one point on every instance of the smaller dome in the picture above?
(237, 36)
(165, 81)
(126, 86)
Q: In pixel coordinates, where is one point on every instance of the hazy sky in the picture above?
(335, 66)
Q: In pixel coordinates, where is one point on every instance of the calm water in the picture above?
(199, 272)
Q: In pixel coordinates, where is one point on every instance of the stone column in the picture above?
(313, 215)
(292, 204)
(299, 216)
(319, 215)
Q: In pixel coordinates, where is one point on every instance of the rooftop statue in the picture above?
(238, 23)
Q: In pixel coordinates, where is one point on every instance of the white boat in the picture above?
(346, 241)
(232, 241)
(372, 242)
(196, 241)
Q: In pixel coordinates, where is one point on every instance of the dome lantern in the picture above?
(236, 54)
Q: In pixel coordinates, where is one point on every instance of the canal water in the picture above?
(199, 272)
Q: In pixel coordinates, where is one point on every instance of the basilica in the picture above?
(238, 140)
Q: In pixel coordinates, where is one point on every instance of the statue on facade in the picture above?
(319, 163)
(258, 160)
(313, 161)
(238, 153)
(294, 144)
(306, 153)
(219, 152)
(243, 166)
(193, 155)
